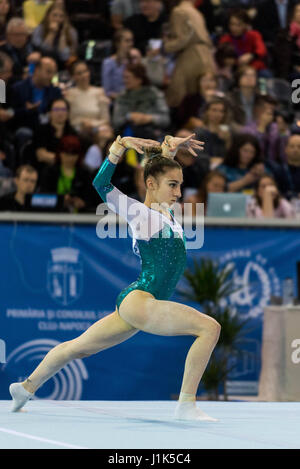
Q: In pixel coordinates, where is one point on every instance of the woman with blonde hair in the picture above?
(55, 36)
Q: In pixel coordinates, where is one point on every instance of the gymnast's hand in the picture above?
(138, 144)
(171, 144)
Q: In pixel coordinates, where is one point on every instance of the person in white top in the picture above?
(89, 106)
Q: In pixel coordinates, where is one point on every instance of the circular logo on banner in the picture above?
(254, 279)
(66, 384)
(65, 274)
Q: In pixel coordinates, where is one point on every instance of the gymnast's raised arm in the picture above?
(110, 194)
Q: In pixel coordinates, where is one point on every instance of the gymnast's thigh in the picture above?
(144, 312)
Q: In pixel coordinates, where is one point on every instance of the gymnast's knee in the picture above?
(76, 350)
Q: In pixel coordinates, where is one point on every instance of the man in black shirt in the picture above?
(288, 175)
(148, 24)
(26, 179)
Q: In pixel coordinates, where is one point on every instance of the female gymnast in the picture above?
(159, 241)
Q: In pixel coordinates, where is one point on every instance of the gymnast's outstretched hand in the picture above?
(171, 144)
(139, 144)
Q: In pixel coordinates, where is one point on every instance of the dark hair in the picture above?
(202, 191)
(118, 37)
(233, 154)
(213, 101)
(225, 51)
(75, 64)
(70, 144)
(240, 71)
(158, 164)
(258, 199)
(240, 14)
(139, 71)
(25, 167)
(58, 99)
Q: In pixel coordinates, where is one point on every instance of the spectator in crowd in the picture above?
(248, 43)
(190, 40)
(141, 109)
(268, 202)
(34, 12)
(113, 67)
(6, 13)
(194, 168)
(147, 24)
(98, 151)
(283, 121)
(121, 10)
(6, 113)
(47, 137)
(287, 174)
(244, 97)
(214, 181)
(18, 47)
(243, 164)
(263, 126)
(31, 97)
(68, 177)
(25, 181)
(272, 15)
(89, 106)
(189, 113)
(214, 128)
(55, 36)
(227, 63)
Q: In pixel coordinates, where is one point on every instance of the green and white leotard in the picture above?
(158, 241)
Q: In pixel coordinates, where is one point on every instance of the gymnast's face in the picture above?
(166, 187)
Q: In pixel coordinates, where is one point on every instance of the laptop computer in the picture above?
(44, 202)
(227, 204)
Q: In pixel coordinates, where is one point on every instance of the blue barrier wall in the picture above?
(57, 280)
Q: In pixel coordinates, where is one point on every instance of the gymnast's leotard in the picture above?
(158, 241)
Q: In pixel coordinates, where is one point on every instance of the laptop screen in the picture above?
(227, 204)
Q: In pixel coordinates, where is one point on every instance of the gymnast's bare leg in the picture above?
(169, 318)
(109, 331)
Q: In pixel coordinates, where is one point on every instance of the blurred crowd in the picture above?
(78, 73)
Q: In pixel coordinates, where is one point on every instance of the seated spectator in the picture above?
(190, 40)
(141, 109)
(244, 97)
(263, 126)
(6, 13)
(227, 62)
(194, 168)
(288, 174)
(89, 107)
(243, 165)
(214, 181)
(31, 99)
(47, 136)
(121, 10)
(34, 12)
(248, 43)
(97, 152)
(147, 24)
(283, 121)
(190, 110)
(18, 47)
(25, 181)
(68, 177)
(113, 67)
(214, 128)
(268, 202)
(56, 37)
(6, 112)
